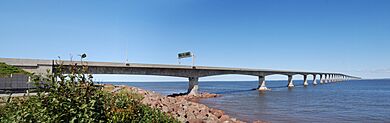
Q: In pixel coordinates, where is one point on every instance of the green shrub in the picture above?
(6, 70)
(2, 110)
(74, 98)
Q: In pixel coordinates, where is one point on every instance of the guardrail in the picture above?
(15, 83)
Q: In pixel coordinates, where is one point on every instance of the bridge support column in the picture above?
(262, 86)
(326, 78)
(340, 78)
(290, 81)
(333, 78)
(193, 86)
(321, 79)
(314, 79)
(305, 80)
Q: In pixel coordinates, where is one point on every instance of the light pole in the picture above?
(82, 56)
(193, 59)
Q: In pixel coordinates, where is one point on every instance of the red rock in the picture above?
(212, 117)
(233, 119)
(200, 116)
(195, 121)
(216, 112)
(181, 113)
(175, 108)
(190, 116)
(165, 109)
(224, 118)
(181, 119)
(258, 121)
(182, 107)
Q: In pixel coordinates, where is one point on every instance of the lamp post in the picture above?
(82, 56)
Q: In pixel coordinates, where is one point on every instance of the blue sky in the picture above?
(348, 36)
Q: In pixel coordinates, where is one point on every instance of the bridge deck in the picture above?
(193, 73)
(40, 62)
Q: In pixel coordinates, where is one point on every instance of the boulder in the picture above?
(195, 121)
(224, 118)
(165, 109)
(216, 112)
(183, 107)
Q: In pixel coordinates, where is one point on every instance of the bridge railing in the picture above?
(15, 82)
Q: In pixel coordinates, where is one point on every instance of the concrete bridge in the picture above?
(193, 73)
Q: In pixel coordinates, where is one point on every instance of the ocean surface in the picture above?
(365, 101)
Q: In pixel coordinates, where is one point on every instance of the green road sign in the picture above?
(184, 55)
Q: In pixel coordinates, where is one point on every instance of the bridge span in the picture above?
(193, 73)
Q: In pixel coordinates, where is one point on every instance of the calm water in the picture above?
(349, 101)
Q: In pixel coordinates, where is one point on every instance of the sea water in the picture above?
(347, 101)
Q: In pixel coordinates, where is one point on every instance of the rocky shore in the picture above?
(184, 108)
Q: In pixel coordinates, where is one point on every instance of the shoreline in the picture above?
(182, 107)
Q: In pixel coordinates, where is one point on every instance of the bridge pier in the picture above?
(314, 79)
(290, 81)
(193, 86)
(330, 78)
(262, 86)
(334, 78)
(326, 78)
(340, 78)
(321, 79)
(305, 80)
